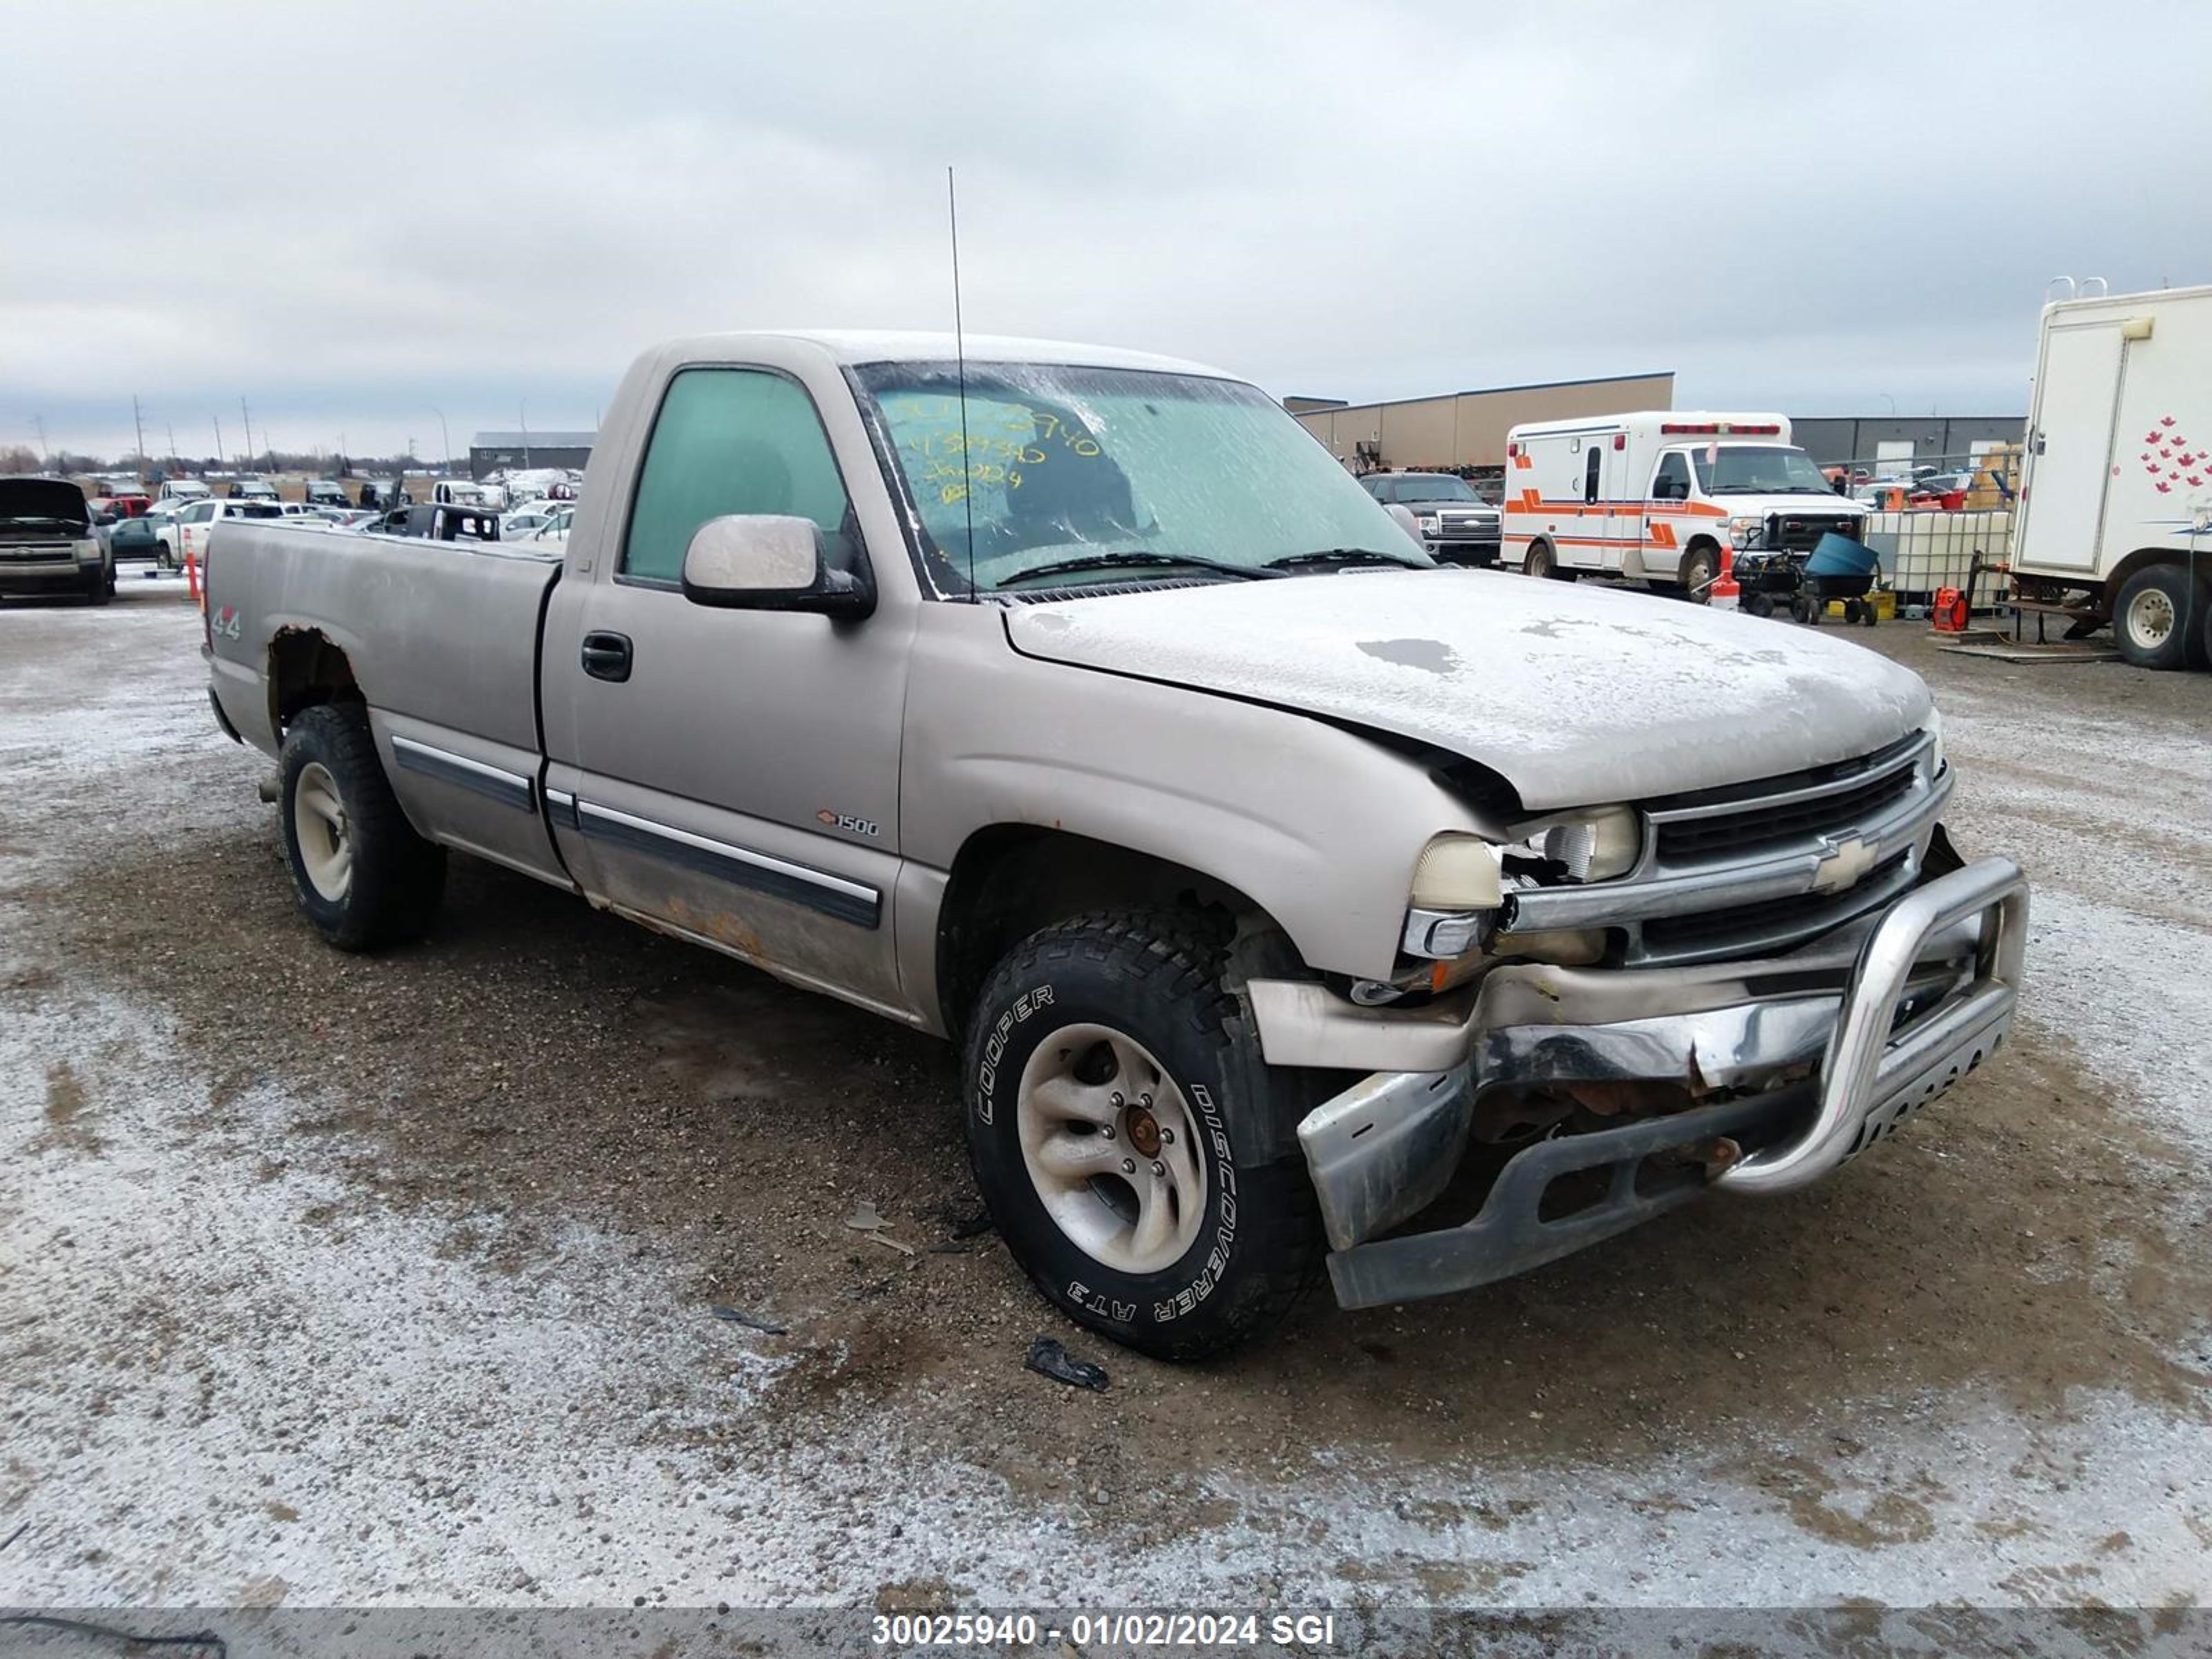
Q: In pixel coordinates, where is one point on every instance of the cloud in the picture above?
(374, 209)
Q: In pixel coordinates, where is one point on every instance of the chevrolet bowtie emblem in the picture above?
(1843, 865)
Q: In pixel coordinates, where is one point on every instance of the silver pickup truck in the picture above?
(1297, 904)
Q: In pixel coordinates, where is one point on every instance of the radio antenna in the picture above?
(960, 356)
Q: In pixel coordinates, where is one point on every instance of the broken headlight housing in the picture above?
(1460, 881)
(1595, 843)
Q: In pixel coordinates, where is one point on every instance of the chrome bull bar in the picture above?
(1871, 1076)
(1383, 1149)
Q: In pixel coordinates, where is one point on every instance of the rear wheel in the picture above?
(1542, 561)
(1137, 1154)
(100, 587)
(2157, 612)
(1758, 604)
(363, 876)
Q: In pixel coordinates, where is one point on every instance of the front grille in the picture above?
(1746, 928)
(1801, 532)
(1698, 840)
(1853, 791)
(36, 553)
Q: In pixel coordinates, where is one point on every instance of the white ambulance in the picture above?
(2115, 516)
(1655, 496)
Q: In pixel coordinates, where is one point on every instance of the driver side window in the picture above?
(729, 441)
(1672, 482)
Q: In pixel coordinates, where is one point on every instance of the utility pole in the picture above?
(218, 460)
(172, 427)
(523, 410)
(45, 455)
(138, 420)
(249, 434)
(445, 437)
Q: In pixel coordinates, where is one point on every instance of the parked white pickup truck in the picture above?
(1082, 709)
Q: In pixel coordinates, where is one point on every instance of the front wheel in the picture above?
(1137, 1154)
(1701, 568)
(363, 876)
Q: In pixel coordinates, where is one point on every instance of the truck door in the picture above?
(2070, 452)
(730, 775)
(1665, 524)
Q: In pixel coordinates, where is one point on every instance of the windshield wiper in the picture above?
(1343, 556)
(1133, 561)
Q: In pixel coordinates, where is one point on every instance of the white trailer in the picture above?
(2115, 512)
(1657, 495)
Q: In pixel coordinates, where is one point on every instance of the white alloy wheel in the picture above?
(319, 821)
(1111, 1148)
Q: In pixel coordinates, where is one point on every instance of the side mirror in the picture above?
(762, 561)
(1403, 516)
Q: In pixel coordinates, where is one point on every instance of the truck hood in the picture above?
(45, 498)
(1576, 695)
(1812, 507)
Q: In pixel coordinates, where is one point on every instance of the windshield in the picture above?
(1758, 470)
(1435, 487)
(1064, 466)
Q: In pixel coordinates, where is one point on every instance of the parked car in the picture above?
(136, 538)
(47, 543)
(187, 531)
(1457, 525)
(555, 527)
(523, 521)
(252, 489)
(327, 492)
(1260, 867)
(182, 489)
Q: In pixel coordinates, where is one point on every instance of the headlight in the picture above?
(1458, 872)
(1596, 844)
(1746, 532)
(1933, 725)
(1429, 522)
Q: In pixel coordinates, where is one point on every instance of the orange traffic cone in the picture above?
(192, 577)
(1726, 594)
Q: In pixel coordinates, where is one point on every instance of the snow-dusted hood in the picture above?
(1575, 694)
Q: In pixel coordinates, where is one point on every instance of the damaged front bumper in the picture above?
(1808, 1059)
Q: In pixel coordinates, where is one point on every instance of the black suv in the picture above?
(1457, 525)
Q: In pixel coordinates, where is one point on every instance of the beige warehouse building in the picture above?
(1465, 428)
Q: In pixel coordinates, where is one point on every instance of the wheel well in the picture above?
(2142, 560)
(304, 669)
(1011, 879)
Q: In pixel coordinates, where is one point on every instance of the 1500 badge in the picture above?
(831, 820)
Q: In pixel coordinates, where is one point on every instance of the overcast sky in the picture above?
(361, 213)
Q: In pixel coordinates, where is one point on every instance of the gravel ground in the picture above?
(329, 1280)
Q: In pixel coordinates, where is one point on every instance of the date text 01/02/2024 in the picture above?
(1123, 1629)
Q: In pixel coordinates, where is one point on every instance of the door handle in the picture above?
(607, 656)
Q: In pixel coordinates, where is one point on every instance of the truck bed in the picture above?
(442, 639)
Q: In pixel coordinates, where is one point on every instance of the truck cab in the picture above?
(1658, 496)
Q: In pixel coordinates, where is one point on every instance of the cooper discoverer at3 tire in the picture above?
(1139, 1157)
